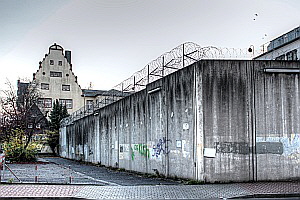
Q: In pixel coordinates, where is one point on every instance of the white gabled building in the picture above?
(284, 47)
(56, 80)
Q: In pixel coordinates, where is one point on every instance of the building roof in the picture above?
(282, 40)
(55, 47)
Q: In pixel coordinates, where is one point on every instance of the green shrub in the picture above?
(15, 149)
(52, 139)
(194, 182)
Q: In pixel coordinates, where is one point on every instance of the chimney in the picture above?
(68, 56)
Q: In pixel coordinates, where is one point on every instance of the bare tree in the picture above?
(20, 111)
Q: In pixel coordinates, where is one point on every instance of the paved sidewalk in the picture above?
(12, 190)
(109, 184)
(207, 191)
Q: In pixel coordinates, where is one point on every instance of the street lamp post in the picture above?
(251, 50)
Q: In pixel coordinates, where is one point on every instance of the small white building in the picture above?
(284, 47)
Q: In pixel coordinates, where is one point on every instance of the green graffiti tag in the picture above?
(141, 149)
(132, 154)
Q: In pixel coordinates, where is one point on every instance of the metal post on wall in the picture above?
(148, 74)
(251, 50)
(163, 66)
(133, 84)
(183, 55)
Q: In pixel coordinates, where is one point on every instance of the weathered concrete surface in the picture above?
(212, 121)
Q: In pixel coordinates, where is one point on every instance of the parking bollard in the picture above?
(70, 174)
(36, 174)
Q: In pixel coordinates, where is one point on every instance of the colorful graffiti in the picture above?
(161, 147)
(142, 149)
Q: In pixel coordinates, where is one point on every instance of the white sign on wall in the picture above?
(185, 126)
(210, 152)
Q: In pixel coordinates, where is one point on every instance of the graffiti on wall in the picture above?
(232, 147)
(151, 150)
(161, 147)
(244, 148)
(290, 145)
(287, 146)
(142, 149)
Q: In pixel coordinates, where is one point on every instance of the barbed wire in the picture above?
(169, 62)
(179, 57)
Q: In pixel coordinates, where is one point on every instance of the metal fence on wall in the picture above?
(169, 62)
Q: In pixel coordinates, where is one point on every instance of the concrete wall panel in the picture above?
(277, 112)
(213, 121)
(226, 120)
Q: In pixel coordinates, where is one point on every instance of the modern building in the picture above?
(284, 47)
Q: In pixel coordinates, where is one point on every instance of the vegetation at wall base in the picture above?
(16, 149)
(20, 120)
(194, 182)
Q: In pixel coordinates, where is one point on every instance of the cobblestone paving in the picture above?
(272, 187)
(208, 191)
(38, 190)
(110, 176)
(162, 192)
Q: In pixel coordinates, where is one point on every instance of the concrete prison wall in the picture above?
(216, 120)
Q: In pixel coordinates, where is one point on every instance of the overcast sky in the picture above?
(112, 39)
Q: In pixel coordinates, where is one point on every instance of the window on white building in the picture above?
(38, 126)
(65, 87)
(89, 104)
(45, 102)
(55, 74)
(45, 86)
(60, 63)
(51, 62)
(292, 55)
(66, 102)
